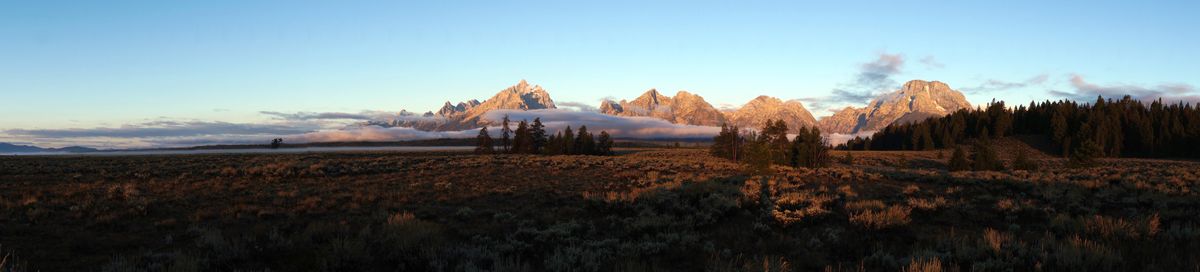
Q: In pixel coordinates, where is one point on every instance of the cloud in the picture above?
(578, 105)
(378, 134)
(162, 129)
(618, 126)
(994, 85)
(298, 128)
(932, 63)
(305, 116)
(872, 79)
(1088, 91)
(839, 138)
(878, 73)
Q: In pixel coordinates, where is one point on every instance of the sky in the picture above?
(99, 72)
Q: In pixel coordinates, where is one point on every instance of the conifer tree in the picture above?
(604, 144)
(958, 160)
(505, 135)
(484, 142)
(522, 142)
(1022, 161)
(568, 142)
(537, 135)
(984, 157)
(1085, 154)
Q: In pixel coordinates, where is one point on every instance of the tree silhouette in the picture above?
(522, 139)
(1119, 128)
(958, 160)
(484, 142)
(505, 134)
(984, 157)
(537, 136)
(1085, 154)
(276, 143)
(604, 144)
(568, 142)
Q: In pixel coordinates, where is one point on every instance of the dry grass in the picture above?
(649, 210)
(890, 217)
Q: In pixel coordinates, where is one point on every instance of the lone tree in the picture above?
(604, 144)
(277, 142)
(505, 134)
(958, 161)
(484, 145)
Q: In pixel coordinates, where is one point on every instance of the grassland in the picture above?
(648, 209)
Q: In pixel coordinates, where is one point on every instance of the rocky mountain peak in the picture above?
(684, 108)
(915, 100)
(757, 111)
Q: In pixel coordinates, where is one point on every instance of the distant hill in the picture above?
(12, 148)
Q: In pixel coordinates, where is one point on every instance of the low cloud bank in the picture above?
(839, 138)
(618, 126)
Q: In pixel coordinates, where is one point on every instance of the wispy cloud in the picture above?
(162, 129)
(1086, 91)
(932, 63)
(577, 105)
(304, 116)
(995, 85)
(872, 78)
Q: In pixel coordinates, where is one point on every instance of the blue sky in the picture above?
(94, 64)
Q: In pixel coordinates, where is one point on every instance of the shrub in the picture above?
(893, 216)
(1022, 161)
(984, 157)
(958, 161)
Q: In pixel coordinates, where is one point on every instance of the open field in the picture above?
(648, 209)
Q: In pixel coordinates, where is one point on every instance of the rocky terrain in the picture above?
(468, 114)
(683, 108)
(917, 100)
(756, 112)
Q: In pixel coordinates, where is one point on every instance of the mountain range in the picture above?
(914, 101)
(12, 148)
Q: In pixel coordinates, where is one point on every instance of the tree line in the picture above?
(771, 145)
(1106, 128)
(531, 138)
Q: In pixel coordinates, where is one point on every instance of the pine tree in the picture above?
(554, 145)
(722, 146)
(1022, 161)
(958, 160)
(484, 142)
(505, 135)
(604, 144)
(568, 142)
(584, 144)
(522, 142)
(538, 136)
(1058, 128)
(985, 159)
(1085, 154)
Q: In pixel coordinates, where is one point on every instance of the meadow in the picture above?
(647, 209)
